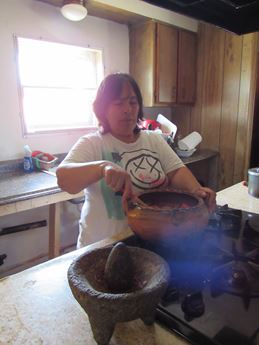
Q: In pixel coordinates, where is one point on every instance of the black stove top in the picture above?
(213, 293)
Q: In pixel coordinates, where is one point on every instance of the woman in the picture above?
(119, 161)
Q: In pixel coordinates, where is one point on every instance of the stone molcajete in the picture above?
(117, 284)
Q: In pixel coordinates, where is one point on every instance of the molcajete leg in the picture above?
(149, 317)
(102, 328)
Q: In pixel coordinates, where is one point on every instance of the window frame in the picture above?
(25, 131)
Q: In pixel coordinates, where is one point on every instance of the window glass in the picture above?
(58, 84)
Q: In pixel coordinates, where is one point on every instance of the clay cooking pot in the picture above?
(165, 214)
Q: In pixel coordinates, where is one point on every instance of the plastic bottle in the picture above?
(27, 159)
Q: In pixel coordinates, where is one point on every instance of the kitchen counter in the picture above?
(20, 191)
(18, 186)
(37, 307)
(237, 197)
(199, 155)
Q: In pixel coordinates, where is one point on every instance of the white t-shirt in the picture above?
(147, 160)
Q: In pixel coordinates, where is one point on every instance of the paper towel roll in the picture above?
(190, 141)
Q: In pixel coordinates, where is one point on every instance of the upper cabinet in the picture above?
(187, 66)
(163, 62)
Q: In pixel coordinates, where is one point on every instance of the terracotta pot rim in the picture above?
(143, 206)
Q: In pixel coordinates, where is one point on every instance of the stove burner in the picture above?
(238, 279)
(239, 276)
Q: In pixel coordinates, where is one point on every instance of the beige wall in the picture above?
(33, 19)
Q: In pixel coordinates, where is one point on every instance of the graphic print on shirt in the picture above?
(143, 166)
(145, 170)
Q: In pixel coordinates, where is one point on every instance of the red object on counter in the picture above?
(43, 160)
(150, 124)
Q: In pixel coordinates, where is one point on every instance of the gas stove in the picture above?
(213, 293)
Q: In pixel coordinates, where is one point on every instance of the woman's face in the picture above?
(123, 112)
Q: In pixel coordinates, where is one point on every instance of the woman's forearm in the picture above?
(74, 177)
(183, 179)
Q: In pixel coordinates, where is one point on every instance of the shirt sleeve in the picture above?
(86, 149)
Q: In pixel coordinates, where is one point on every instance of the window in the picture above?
(58, 83)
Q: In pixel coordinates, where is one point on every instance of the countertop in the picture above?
(237, 197)
(37, 306)
(17, 186)
(199, 155)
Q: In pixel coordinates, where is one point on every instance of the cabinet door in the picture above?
(142, 58)
(187, 67)
(166, 64)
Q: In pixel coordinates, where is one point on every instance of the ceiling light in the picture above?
(74, 10)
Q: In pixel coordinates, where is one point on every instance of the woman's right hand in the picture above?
(118, 180)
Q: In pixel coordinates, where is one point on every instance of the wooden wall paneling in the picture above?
(181, 116)
(195, 123)
(214, 40)
(223, 112)
(246, 106)
(230, 101)
(254, 161)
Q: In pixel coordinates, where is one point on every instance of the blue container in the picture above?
(27, 164)
(27, 159)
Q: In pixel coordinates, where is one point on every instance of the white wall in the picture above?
(33, 19)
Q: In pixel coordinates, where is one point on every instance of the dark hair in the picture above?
(110, 90)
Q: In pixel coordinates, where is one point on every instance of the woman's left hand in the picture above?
(209, 197)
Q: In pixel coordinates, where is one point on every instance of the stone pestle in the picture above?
(119, 272)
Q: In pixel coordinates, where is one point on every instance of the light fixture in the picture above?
(74, 10)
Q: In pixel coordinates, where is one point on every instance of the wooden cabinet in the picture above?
(163, 62)
(166, 64)
(187, 67)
